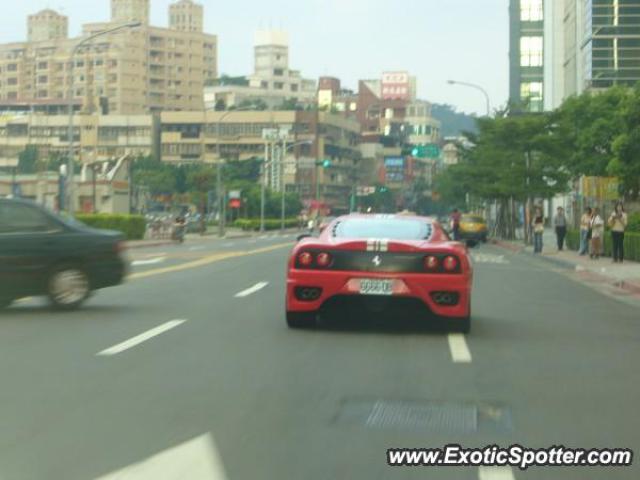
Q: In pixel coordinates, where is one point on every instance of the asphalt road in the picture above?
(188, 371)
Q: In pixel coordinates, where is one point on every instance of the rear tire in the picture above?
(460, 325)
(301, 320)
(68, 287)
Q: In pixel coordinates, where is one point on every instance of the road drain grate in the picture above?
(455, 417)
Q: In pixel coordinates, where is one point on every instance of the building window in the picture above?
(294, 87)
(278, 85)
(278, 72)
(531, 51)
(531, 96)
(531, 10)
(42, 65)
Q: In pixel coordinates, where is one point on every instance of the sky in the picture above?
(435, 40)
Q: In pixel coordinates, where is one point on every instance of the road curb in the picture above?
(625, 285)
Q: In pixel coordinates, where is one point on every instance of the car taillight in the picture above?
(323, 260)
(450, 264)
(305, 259)
(431, 263)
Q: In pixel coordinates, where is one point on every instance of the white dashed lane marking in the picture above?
(138, 339)
(152, 261)
(495, 473)
(256, 288)
(459, 350)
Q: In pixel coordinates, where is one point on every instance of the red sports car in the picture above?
(380, 256)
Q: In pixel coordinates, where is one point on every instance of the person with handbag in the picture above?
(585, 231)
(538, 230)
(618, 223)
(597, 232)
(560, 222)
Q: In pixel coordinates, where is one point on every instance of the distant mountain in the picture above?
(454, 123)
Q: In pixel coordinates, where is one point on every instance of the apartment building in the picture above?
(132, 71)
(212, 136)
(273, 81)
(95, 137)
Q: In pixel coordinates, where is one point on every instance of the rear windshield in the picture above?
(388, 228)
(472, 219)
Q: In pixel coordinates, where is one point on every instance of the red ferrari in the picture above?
(392, 257)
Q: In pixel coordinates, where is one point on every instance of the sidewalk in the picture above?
(625, 276)
(210, 235)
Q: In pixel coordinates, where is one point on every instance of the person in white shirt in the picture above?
(585, 231)
(618, 224)
(597, 232)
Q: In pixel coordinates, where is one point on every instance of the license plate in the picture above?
(376, 287)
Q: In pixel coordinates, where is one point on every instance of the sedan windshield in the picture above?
(389, 228)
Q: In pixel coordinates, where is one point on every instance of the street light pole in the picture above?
(477, 87)
(221, 215)
(70, 170)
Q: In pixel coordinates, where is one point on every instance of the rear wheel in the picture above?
(301, 319)
(68, 287)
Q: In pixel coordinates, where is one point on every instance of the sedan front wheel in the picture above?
(68, 287)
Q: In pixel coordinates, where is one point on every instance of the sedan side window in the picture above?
(18, 218)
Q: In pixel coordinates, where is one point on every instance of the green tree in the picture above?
(28, 160)
(626, 147)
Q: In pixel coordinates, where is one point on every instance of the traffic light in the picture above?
(326, 163)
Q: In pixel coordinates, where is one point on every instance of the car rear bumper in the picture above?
(418, 286)
(108, 274)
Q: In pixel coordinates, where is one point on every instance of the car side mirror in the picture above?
(303, 236)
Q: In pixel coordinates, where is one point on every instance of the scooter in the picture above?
(178, 232)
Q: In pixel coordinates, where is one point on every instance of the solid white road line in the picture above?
(229, 244)
(257, 287)
(196, 459)
(138, 339)
(495, 473)
(193, 249)
(153, 261)
(459, 350)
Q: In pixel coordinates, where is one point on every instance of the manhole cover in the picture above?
(456, 417)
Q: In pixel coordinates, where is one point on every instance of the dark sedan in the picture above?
(42, 253)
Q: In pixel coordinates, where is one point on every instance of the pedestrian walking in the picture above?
(585, 231)
(455, 224)
(597, 232)
(618, 224)
(538, 230)
(560, 222)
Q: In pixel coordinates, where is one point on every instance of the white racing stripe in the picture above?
(257, 287)
(138, 339)
(495, 473)
(153, 261)
(459, 350)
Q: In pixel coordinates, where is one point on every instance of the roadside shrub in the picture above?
(132, 226)
(634, 222)
(269, 223)
(631, 244)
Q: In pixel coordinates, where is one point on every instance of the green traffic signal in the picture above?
(326, 163)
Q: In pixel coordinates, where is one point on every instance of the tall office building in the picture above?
(131, 71)
(610, 46)
(526, 55)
